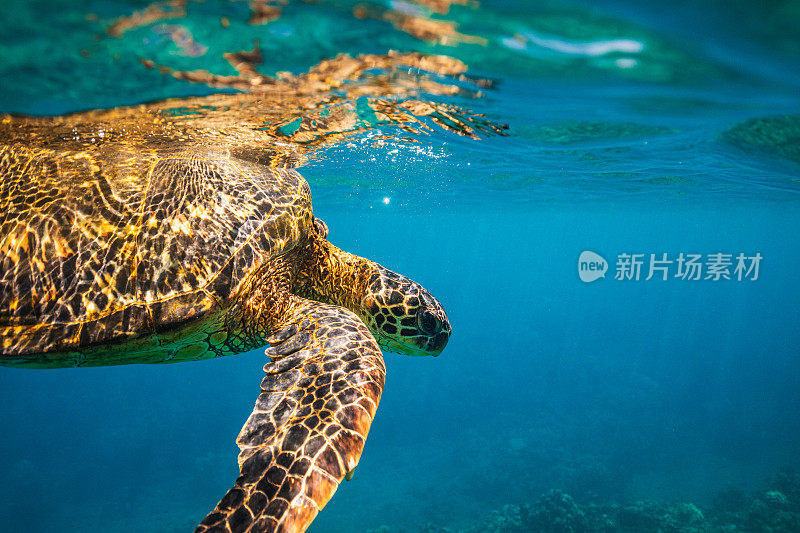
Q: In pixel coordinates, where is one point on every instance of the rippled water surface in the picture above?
(632, 128)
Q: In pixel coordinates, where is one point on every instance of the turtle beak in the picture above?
(433, 323)
(436, 344)
(420, 346)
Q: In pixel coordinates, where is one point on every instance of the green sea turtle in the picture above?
(127, 238)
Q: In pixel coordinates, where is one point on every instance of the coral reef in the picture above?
(775, 136)
(775, 510)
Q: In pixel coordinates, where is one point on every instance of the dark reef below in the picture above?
(774, 510)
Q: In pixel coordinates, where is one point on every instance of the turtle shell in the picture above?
(108, 235)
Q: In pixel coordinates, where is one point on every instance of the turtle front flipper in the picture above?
(309, 424)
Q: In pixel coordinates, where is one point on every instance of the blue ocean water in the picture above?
(658, 128)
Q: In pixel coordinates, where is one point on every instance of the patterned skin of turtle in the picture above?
(143, 241)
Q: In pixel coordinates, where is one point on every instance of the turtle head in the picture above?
(404, 317)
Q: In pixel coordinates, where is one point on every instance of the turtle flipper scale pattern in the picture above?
(309, 424)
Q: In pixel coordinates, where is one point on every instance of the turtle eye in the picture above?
(428, 323)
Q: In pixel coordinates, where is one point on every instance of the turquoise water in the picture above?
(633, 129)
